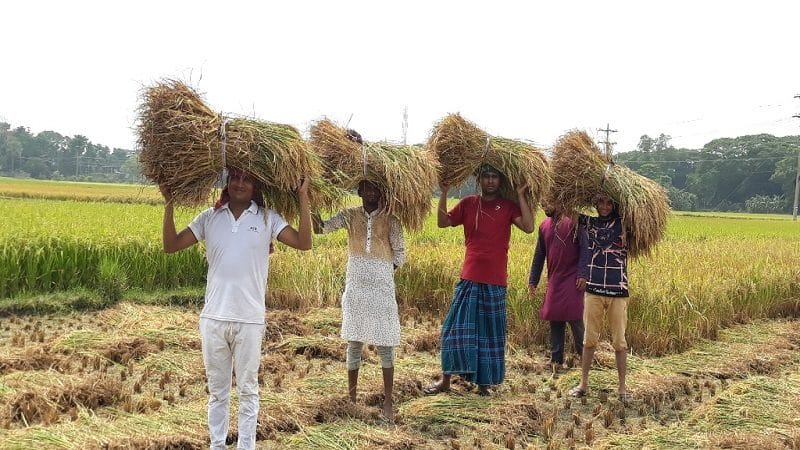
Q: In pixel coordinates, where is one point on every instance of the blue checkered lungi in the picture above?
(474, 333)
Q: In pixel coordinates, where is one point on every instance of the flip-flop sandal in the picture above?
(434, 389)
(577, 392)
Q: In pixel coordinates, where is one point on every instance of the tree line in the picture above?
(753, 173)
(50, 155)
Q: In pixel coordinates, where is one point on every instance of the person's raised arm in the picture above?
(173, 241)
(442, 219)
(583, 254)
(300, 238)
(525, 221)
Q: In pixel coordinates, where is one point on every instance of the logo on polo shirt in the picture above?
(253, 228)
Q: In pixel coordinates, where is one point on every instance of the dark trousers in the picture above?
(557, 331)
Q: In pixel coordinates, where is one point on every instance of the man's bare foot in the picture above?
(388, 411)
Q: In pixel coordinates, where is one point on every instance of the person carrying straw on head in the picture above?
(563, 300)
(369, 305)
(473, 335)
(237, 232)
(603, 274)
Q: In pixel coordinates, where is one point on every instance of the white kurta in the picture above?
(369, 304)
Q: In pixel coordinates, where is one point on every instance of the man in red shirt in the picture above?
(473, 336)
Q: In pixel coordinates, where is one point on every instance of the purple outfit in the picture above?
(563, 301)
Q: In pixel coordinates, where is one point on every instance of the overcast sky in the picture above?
(695, 70)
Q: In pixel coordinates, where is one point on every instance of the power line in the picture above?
(692, 161)
(738, 186)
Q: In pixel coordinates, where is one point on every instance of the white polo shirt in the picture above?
(238, 261)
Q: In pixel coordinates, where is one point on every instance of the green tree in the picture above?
(36, 167)
(10, 151)
(735, 169)
(76, 147)
(681, 200)
(785, 175)
(130, 171)
(645, 144)
(50, 154)
(662, 143)
(658, 160)
(655, 172)
(766, 204)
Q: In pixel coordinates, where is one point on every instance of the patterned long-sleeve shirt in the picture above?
(603, 259)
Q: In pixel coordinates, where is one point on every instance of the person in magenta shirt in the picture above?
(563, 300)
(473, 335)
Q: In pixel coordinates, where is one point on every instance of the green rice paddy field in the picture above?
(99, 345)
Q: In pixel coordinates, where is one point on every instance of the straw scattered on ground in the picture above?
(740, 390)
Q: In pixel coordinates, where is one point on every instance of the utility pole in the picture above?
(608, 143)
(796, 186)
(796, 177)
(405, 124)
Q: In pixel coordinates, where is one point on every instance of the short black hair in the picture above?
(364, 183)
(354, 136)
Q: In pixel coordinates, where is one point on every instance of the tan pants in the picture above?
(597, 306)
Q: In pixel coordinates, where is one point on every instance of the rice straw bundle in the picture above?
(176, 130)
(336, 150)
(459, 146)
(462, 147)
(406, 174)
(521, 163)
(580, 170)
(185, 145)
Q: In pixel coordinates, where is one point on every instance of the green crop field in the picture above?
(99, 346)
(102, 192)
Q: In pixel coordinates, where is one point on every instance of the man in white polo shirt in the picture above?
(238, 232)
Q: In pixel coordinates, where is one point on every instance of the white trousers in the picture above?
(231, 347)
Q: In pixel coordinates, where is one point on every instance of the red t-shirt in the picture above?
(486, 238)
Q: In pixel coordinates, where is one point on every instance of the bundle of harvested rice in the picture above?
(522, 164)
(461, 147)
(580, 170)
(406, 174)
(185, 145)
